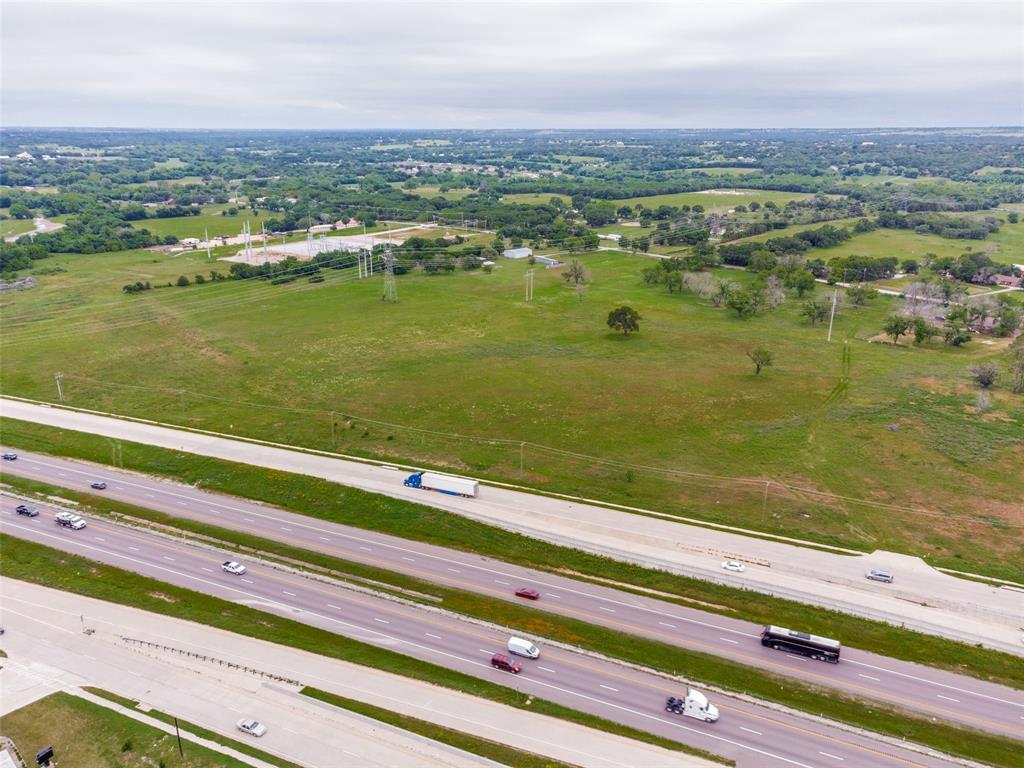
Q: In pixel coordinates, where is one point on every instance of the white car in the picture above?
(734, 565)
(232, 567)
(68, 520)
(252, 727)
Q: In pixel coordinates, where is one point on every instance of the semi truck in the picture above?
(694, 704)
(453, 486)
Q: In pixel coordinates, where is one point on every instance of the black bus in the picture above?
(820, 648)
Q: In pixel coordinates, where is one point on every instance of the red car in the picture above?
(529, 594)
(501, 661)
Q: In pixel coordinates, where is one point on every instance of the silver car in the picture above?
(876, 575)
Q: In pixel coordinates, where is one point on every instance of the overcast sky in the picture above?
(489, 65)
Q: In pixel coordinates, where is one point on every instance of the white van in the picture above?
(522, 647)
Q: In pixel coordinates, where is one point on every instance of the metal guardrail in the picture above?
(212, 660)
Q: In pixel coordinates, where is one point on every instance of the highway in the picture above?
(922, 598)
(933, 692)
(750, 734)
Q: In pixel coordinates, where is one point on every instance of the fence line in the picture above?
(212, 660)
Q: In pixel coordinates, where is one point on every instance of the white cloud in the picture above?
(352, 65)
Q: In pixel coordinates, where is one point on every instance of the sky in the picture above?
(336, 65)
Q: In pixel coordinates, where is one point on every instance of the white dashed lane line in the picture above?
(947, 698)
(608, 687)
(436, 637)
(869, 677)
(664, 624)
(750, 730)
(834, 757)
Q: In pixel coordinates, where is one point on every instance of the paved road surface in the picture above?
(921, 598)
(949, 696)
(750, 734)
(44, 624)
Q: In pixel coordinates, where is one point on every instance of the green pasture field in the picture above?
(452, 194)
(88, 735)
(211, 219)
(11, 227)
(742, 169)
(715, 202)
(1006, 245)
(170, 164)
(535, 198)
(463, 357)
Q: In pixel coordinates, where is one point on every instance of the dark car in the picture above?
(27, 511)
(10, 456)
(99, 485)
(503, 662)
(529, 594)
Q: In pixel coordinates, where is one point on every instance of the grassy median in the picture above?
(492, 750)
(670, 659)
(48, 567)
(349, 506)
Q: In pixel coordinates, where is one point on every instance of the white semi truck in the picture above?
(694, 704)
(453, 486)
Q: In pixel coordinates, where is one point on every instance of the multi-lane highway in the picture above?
(752, 735)
(933, 692)
(922, 598)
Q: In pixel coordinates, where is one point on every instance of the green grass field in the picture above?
(211, 219)
(535, 198)
(463, 357)
(721, 201)
(1006, 245)
(452, 194)
(12, 227)
(88, 735)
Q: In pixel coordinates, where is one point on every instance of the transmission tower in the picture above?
(390, 288)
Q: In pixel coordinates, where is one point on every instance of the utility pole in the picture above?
(60, 392)
(206, 237)
(390, 288)
(832, 317)
(529, 285)
(177, 733)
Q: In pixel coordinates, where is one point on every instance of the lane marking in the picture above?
(382, 621)
(666, 624)
(483, 651)
(118, 488)
(168, 558)
(798, 658)
(828, 754)
(134, 549)
(183, 503)
(547, 669)
(366, 549)
(248, 581)
(286, 528)
(607, 610)
(410, 559)
(609, 687)
(503, 583)
(99, 538)
(455, 570)
(947, 698)
(323, 538)
(577, 694)
(726, 639)
(248, 520)
(557, 597)
(869, 677)
(335, 607)
(208, 569)
(150, 496)
(290, 594)
(751, 730)
(436, 637)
